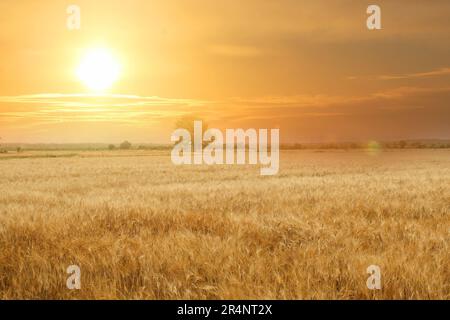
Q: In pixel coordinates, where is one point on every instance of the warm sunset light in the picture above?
(225, 156)
(98, 69)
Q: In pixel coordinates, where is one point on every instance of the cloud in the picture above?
(57, 107)
(402, 92)
(426, 74)
(421, 111)
(433, 73)
(96, 100)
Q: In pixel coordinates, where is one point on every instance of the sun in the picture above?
(98, 69)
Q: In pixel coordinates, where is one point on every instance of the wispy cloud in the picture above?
(432, 73)
(417, 75)
(96, 100)
(57, 107)
(139, 109)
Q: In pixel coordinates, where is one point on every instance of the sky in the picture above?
(310, 68)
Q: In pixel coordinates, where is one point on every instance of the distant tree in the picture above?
(111, 147)
(126, 145)
(2, 150)
(402, 144)
(418, 145)
(19, 149)
(187, 122)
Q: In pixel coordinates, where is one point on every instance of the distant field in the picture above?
(139, 227)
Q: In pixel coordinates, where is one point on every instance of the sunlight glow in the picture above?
(98, 69)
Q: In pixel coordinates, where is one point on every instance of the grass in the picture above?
(139, 227)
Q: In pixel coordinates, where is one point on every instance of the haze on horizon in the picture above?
(310, 68)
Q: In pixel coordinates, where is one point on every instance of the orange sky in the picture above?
(310, 68)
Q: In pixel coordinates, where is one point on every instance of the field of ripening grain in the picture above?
(139, 227)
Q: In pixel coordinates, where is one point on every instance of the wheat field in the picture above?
(141, 228)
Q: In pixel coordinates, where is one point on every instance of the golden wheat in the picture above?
(139, 227)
